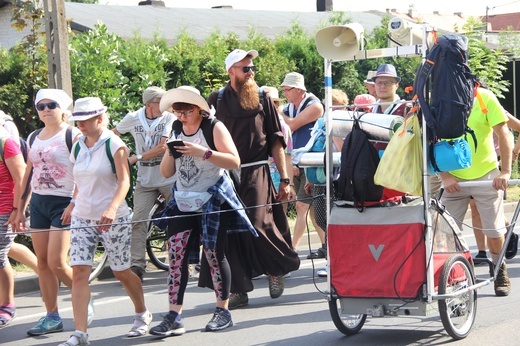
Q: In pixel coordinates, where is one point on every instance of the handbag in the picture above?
(449, 155)
(400, 167)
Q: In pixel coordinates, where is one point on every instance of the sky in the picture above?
(477, 7)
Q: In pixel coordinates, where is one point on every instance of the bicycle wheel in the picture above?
(156, 244)
(348, 324)
(100, 260)
(457, 314)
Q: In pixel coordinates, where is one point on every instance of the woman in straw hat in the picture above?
(203, 195)
(101, 213)
(49, 176)
(12, 167)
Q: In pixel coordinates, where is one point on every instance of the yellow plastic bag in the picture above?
(400, 167)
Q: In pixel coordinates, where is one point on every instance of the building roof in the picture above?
(498, 22)
(167, 22)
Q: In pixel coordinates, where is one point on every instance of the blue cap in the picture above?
(386, 70)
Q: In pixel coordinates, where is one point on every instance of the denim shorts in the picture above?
(84, 237)
(46, 211)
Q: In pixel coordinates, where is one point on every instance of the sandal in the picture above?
(6, 315)
(320, 253)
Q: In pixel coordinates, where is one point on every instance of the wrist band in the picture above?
(73, 201)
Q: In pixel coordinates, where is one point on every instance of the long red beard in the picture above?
(248, 95)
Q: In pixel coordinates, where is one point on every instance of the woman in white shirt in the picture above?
(101, 213)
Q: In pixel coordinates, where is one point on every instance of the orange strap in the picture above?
(481, 102)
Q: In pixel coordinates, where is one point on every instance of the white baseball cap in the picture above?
(237, 55)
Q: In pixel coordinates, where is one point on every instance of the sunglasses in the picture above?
(50, 105)
(246, 69)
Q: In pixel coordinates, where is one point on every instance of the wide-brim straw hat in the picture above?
(183, 94)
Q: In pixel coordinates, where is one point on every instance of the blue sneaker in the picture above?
(46, 325)
(90, 311)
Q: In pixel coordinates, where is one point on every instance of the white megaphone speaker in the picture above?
(340, 42)
(404, 33)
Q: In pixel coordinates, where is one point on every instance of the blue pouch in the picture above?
(449, 155)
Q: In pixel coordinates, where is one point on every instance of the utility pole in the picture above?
(57, 45)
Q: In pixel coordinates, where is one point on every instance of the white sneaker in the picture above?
(322, 273)
(141, 324)
(77, 339)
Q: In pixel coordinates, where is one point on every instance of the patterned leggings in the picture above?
(178, 273)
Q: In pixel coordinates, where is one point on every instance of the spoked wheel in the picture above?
(458, 313)
(156, 242)
(100, 260)
(157, 247)
(345, 323)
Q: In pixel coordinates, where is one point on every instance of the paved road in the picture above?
(300, 317)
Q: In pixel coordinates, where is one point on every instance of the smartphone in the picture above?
(172, 144)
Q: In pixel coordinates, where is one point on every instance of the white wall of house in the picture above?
(9, 36)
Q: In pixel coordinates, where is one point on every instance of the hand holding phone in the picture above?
(171, 146)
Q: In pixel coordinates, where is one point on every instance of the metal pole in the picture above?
(328, 148)
(56, 29)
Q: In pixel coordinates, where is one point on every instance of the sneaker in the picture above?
(46, 325)
(276, 286)
(90, 311)
(512, 246)
(237, 300)
(288, 275)
(170, 326)
(221, 320)
(77, 339)
(141, 324)
(322, 273)
(502, 283)
(138, 271)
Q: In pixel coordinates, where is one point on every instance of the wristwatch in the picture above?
(285, 180)
(207, 154)
(139, 157)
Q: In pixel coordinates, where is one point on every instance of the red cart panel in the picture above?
(379, 253)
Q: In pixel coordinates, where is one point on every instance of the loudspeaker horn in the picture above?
(340, 42)
(404, 33)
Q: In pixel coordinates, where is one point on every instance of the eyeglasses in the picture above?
(186, 113)
(385, 83)
(287, 90)
(246, 69)
(50, 105)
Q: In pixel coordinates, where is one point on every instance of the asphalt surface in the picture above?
(299, 317)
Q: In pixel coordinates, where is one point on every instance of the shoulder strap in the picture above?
(421, 80)
(220, 93)
(76, 150)
(68, 138)
(207, 127)
(32, 136)
(109, 155)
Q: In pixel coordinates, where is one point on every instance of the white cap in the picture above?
(237, 55)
